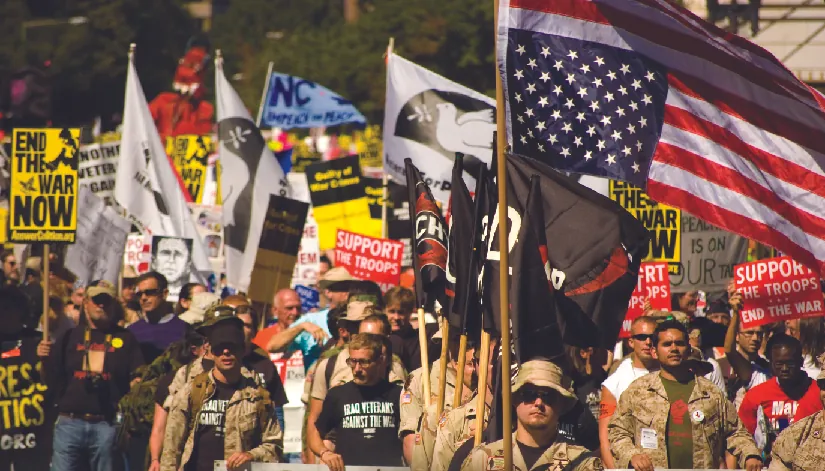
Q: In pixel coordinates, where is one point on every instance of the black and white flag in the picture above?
(249, 174)
(429, 118)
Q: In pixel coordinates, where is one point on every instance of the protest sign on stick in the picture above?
(101, 237)
(777, 290)
(370, 258)
(190, 155)
(278, 248)
(653, 286)
(97, 166)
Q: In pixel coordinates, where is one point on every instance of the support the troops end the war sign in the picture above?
(43, 193)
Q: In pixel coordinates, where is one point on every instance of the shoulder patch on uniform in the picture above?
(442, 420)
(495, 463)
(406, 398)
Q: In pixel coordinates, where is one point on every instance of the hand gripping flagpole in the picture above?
(504, 261)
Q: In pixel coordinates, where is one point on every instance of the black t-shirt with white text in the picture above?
(365, 419)
(209, 437)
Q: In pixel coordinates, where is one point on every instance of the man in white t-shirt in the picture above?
(640, 363)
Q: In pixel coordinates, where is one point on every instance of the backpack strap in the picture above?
(330, 368)
(197, 394)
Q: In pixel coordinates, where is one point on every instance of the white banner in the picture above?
(138, 253)
(308, 261)
(97, 167)
(101, 236)
(429, 118)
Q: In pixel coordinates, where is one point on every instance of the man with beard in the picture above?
(640, 363)
(158, 327)
(541, 395)
(10, 268)
(675, 419)
(363, 413)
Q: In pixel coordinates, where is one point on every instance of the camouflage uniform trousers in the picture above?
(644, 406)
(244, 431)
(800, 447)
(491, 457)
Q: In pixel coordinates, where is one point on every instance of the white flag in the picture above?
(146, 185)
(249, 174)
(429, 118)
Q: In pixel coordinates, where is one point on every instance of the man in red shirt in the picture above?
(787, 397)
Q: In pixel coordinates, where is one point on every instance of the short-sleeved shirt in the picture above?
(679, 424)
(365, 420)
(780, 410)
(342, 374)
(625, 374)
(305, 342)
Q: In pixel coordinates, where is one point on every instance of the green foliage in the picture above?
(453, 38)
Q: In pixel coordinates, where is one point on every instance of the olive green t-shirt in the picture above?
(679, 429)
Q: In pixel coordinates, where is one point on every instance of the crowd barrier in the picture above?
(221, 466)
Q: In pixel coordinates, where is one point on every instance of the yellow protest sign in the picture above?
(190, 154)
(43, 193)
(664, 222)
(4, 225)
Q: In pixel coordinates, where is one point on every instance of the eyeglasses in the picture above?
(642, 337)
(529, 396)
(362, 362)
(148, 292)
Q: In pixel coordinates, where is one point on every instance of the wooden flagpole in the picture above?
(459, 372)
(442, 375)
(425, 356)
(481, 399)
(45, 275)
(384, 190)
(263, 93)
(504, 260)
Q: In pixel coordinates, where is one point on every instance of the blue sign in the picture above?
(292, 102)
(310, 299)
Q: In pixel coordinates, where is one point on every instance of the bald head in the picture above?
(286, 306)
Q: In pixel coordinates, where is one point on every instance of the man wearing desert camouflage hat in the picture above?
(542, 393)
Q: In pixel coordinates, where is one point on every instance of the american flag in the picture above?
(646, 92)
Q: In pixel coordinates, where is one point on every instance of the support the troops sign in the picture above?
(43, 201)
(653, 286)
(370, 258)
(777, 289)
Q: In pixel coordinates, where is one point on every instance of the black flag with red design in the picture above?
(594, 250)
(429, 238)
(535, 325)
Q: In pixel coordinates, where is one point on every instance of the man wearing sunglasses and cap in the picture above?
(542, 393)
(221, 414)
(89, 369)
(676, 419)
(801, 446)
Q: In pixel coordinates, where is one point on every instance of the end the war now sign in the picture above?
(653, 286)
(370, 258)
(777, 289)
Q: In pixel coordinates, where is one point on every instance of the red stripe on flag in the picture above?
(732, 222)
(615, 269)
(734, 181)
(785, 170)
(660, 35)
(749, 111)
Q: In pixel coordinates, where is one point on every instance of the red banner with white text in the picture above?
(653, 285)
(369, 258)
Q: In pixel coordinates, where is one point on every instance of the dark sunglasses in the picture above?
(149, 292)
(529, 396)
(11, 263)
(642, 337)
(220, 348)
(102, 300)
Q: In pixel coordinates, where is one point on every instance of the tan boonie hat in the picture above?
(357, 311)
(544, 373)
(102, 287)
(217, 313)
(201, 302)
(333, 276)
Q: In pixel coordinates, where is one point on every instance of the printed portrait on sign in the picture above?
(172, 258)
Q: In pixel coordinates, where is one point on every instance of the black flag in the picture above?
(429, 238)
(594, 250)
(534, 321)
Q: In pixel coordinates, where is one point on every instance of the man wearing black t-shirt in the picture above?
(90, 369)
(364, 413)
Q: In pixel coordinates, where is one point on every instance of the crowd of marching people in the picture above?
(184, 385)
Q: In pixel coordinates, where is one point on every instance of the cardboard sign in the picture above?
(370, 258)
(777, 289)
(278, 248)
(339, 200)
(27, 414)
(101, 236)
(4, 225)
(308, 262)
(97, 169)
(43, 201)
(209, 223)
(310, 298)
(664, 222)
(653, 285)
(138, 253)
(708, 257)
(190, 154)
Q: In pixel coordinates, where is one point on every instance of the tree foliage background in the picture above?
(307, 38)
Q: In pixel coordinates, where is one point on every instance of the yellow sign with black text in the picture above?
(43, 193)
(190, 154)
(664, 223)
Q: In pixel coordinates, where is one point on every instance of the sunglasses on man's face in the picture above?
(148, 292)
(102, 300)
(642, 337)
(529, 396)
(220, 348)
